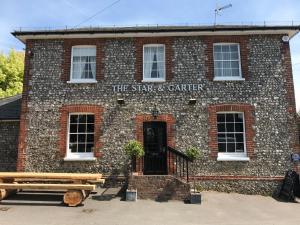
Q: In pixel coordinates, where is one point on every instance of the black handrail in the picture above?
(178, 163)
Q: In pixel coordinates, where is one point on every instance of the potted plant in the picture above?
(134, 150)
(193, 154)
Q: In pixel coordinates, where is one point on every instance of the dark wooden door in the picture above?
(155, 145)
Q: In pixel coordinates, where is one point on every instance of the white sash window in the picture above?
(83, 67)
(154, 63)
(227, 63)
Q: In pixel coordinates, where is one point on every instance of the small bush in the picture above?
(193, 153)
(134, 148)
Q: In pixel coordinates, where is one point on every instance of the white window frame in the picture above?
(240, 77)
(233, 156)
(155, 79)
(71, 70)
(83, 156)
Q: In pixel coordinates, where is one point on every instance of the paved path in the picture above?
(216, 208)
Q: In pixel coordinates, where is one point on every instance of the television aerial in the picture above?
(218, 11)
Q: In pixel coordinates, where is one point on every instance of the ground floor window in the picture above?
(81, 135)
(231, 134)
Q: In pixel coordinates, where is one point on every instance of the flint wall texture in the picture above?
(264, 89)
(9, 131)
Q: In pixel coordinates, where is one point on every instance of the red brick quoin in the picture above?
(248, 111)
(64, 116)
(24, 109)
(69, 43)
(239, 39)
(140, 42)
(140, 119)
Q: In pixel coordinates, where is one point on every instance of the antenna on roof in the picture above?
(218, 10)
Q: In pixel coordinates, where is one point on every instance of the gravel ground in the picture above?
(108, 209)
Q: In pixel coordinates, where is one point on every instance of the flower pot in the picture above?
(131, 195)
(195, 198)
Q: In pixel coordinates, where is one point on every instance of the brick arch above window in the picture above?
(242, 40)
(64, 117)
(140, 42)
(69, 43)
(249, 122)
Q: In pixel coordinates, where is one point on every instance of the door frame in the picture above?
(169, 119)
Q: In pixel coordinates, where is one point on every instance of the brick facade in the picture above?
(249, 121)
(264, 97)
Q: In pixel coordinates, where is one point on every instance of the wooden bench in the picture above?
(77, 186)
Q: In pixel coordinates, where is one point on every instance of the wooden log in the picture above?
(4, 193)
(72, 176)
(74, 197)
(48, 186)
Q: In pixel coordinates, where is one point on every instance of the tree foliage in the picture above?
(11, 73)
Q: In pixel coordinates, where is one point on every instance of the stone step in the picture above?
(159, 187)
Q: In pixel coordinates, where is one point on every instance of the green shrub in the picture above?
(193, 153)
(134, 148)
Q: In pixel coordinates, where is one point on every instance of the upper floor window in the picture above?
(227, 63)
(154, 63)
(81, 135)
(83, 68)
(231, 135)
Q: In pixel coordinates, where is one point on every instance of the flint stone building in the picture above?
(226, 90)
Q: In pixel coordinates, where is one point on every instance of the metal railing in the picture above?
(178, 163)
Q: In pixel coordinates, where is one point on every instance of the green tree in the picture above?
(11, 73)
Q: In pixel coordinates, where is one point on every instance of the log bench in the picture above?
(77, 186)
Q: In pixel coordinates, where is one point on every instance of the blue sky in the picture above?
(60, 13)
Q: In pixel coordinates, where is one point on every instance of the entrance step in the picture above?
(159, 187)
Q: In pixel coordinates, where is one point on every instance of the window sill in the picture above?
(153, 80)
(229, 79)
(73, 159)
(233, 158)
(81, 81)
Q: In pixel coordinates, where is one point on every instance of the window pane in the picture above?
(90, 128)
(239, 127)
(89, 147)
(221, 127)
(73, 147)
(220, 117)
(233, 48)
(81, 138)
(221, 138)
(73, 118)
(240, 147)
(222, 147)
(225, 48)
(234, 64)
(235, 72)
(81, 128)
(234, 55)
(229, 127)
(73, 128)
(217, 48)
(230, 147)
(229, 117)
(239, 137)
(217, 56)
(90, 118)
(230, 137)
(218, 64)
(238, 117)
(90, 138)
(81, 147)
(73, 138)
(218, 72)
(82, 118)
(227, 72)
